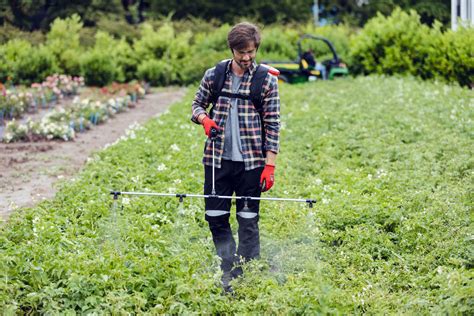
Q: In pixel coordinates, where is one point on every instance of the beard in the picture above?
(244, 65)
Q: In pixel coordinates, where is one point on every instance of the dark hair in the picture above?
(242, 34)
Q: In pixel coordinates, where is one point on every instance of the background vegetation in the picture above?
(167, 52)
(38, 15)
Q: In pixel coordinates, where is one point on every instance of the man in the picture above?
(308, 57)
(242, 165)
(309, 63)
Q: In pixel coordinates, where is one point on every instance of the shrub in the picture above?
(277, 44)
(157, 72)
(401, 44)
(4, 65)
(25, 64)
(121, 64)
(212, 41)
(126, 60)
(97, 68)
(9, 32)
(179, 50)
(163, 52)
(10, 53)
(64, 42)
(153, 44)
(35, 65)
(390, 44)
(120, 53)
(459, 54)
(118, 28)
(194, 66)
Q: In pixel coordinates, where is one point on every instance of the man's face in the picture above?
(244, 57)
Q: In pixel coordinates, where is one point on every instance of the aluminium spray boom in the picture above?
(213, 195)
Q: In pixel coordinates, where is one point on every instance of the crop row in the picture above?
(389, 160)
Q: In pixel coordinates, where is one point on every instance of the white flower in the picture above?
(161, 167)
(318, 181)
(325, 201)
(177, 181)
(175, 147)
(136, 179)
(381, 173)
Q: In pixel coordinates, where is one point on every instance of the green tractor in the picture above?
(306, 69)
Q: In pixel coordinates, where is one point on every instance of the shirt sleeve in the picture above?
(271, 114)
(202, 98)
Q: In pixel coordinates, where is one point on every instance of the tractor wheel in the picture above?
(283, 79)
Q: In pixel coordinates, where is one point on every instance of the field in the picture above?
(31, 169)
(390, 161)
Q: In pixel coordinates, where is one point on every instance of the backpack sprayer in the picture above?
(181, 196)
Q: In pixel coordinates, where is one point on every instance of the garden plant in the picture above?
(389, 160)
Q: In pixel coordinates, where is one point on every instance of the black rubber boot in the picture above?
(236, 272)
(226, 278)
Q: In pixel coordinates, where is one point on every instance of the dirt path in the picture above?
(28, 171)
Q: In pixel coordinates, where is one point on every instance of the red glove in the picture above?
(267, 178)
(208, 124)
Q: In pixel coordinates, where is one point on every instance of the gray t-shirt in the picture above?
(232, 145)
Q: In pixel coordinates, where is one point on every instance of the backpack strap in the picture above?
(219, 79)
(256, 87)
(256, 84)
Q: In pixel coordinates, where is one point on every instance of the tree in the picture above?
(33, 15)
(358, 12)
(265, 11)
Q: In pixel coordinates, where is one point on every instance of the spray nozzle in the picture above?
(246, 204)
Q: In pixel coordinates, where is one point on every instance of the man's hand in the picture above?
(267, 178)
(207, 123)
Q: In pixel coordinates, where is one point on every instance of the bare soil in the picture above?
(29, 171)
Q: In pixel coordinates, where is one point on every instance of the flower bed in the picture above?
(14, 102)
(61, 123)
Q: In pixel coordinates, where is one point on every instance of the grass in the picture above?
(390, 161)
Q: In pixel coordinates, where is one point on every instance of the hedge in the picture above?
(166, 52)
(401, 44)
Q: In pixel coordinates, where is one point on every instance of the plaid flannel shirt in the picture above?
(249, 119)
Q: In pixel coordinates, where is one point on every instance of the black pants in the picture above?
(233, 178)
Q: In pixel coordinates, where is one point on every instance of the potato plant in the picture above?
(389, 159)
